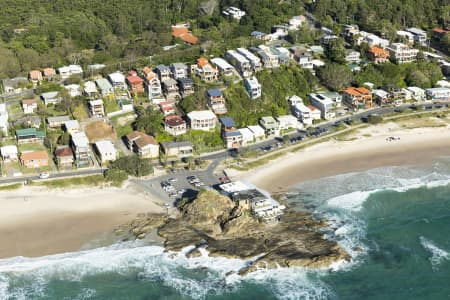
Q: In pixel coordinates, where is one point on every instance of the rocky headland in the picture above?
(214, 222)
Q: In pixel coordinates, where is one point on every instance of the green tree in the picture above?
(335, 76)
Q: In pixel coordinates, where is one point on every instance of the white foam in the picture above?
(351, 201)
(438, 255)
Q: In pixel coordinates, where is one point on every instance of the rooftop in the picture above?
(227, 122)
(105, 146)
(201, 114)
(215, 93)
(34, 155)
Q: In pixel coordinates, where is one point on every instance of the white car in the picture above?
(44, 175)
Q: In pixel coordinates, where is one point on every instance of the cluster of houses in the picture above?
(253, 199)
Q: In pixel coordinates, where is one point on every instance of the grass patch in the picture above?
(10, 187)
(110, 106)
(32, 147)
(94, 180)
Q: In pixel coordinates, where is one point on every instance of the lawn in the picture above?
(99, 130)
(110, 106)
(31, 147)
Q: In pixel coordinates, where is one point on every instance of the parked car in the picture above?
(44, 175)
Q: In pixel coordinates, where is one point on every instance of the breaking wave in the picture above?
(438, 255)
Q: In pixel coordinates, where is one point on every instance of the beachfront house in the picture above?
(142, 144)
(440, 93)
(105, 150)
(303, 113)
(175, 125)
(396, 93)
(287, 122)
(204, 120)
(381, 97)
(34, 159)
(417, 93)
(216, 101)
(177, 149)
(324, 104)
(9, 153)
(270, 125)
(230, 135)
(64, 157)
(253, 87)
(80, 146)
(258, 132)
(356, 98)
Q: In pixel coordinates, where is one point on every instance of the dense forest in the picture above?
(54, 32)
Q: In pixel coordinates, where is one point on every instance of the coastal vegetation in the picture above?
(93, 180)
(9, 187)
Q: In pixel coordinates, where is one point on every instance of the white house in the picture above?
(417, 93)
(67, 71)
(204, 120)
(287, 121)
(259, 133)
(51, 98)
(303, 113)
(9, 153)
(406, 35)
(439, 93)
(233, 13)
(324, 104)
(3, 119)
(247, 136)
(74, 90)
(29, 106)
(254, 60)
(89, 89)
(294, 100)
(352, 56)
(241, 63)
(72, 126)
(225, 69)
(296, 21)
(253, 87)
(96, 108)
(117, 80)
(106, 150)
(104, 86)
(402, 53)
(419, 35)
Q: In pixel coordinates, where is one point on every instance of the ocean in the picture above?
(394, 221)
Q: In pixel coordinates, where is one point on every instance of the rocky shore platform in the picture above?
(214, 222)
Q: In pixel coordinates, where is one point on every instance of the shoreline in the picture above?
(419, 146)
(36, 221)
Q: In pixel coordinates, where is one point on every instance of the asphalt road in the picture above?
(79, 172)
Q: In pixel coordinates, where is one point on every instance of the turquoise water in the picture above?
(395, 222)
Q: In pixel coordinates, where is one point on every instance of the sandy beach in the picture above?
(36, 221)
(366, 149)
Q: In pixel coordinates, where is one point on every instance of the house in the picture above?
(117, 80)
(14, 85)
(439, 93)
(49, 73)
(202, 120)
(9, 153)
(64, 156)
(316, 114)
(381, 97)
(80, 146)
(402, 53)
(352, 56)
(105, 150)
(294, 100)
(282, 53)
(153, 87)
(247, 136)
(95, 68)
(89, 89)
(177, 149)
(167, 108)
(439, 34)
(357, 97)
(225, 69)
(253, 87)
(374, 40)
(74, 90)
(419, 35)
(303, 113)
(280, 31)
(233, 13)
(96, 108)
(186, 86)
(105, 87)
(258, 132)
(287, 122)
(216, 101)
(4, 119)
(324, 104)
(253, 59)
(175, 125)
(296, 22)
(70, 70)
(378, 55)
(143, 145)
(417, 93)
(34, 159)
(29, 135)
(396, 93)
(179, 70)
(335, 97)
(269, 58)
(29, 106)
(227, 124)
(240, 62)
(72, 126)
(55, 122)
(232, 139)
(135, 83)
(405, 35)
(270, 125)
(51, 98)
(205, 71)
(35, 76)
(163, 72)
(182, 32)
(171, 90)
(302, 56)
(28, 121)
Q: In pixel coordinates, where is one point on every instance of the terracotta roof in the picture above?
(184, 34)
(174, 121)
(34, 155)
(49, 72)
(202, 62)
(357, 91)
(134, 79)
(147, 71)
(440, 30)
(28, 101)
(35, 74)
(134, 135)
(166, 106)
(64, 151)
(178, 31)
(377, 50)
(145, 140)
